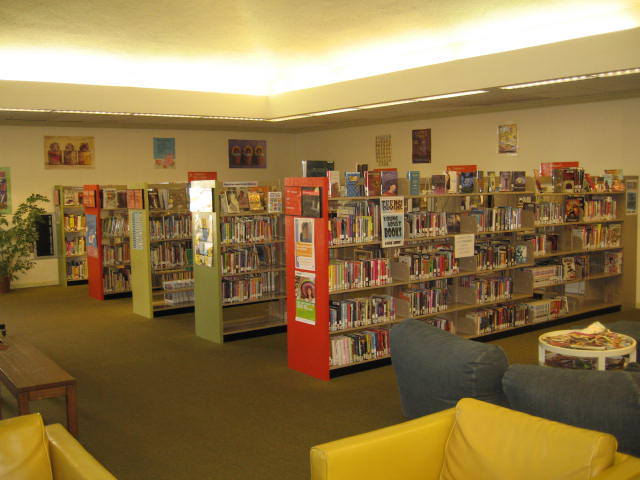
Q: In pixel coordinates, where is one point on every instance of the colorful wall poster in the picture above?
(5, 190)
(164, 152)
(392, 220)
(508, 138)
(383, 150)
(306, 297)
(304, 245)
(247, 154)
(92, 240)
(421, 146)
(69, 152)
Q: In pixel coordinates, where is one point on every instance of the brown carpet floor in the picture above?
(156, 402)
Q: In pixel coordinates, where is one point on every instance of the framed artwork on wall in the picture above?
(5, 190)
(247, 154)
(69, 152)
(421, 146)
(508, 138)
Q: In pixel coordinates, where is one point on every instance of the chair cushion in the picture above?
(435, 369)
(488, 442)
(24, 450)
(605, 401)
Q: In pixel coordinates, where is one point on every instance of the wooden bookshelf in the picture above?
(71, 231)
(161, 250)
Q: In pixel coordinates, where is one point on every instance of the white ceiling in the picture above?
(270, 46)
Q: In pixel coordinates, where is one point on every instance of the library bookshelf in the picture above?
(161, 250)
(109, 258)
(71, 230)
(491, 288)
(240, 284)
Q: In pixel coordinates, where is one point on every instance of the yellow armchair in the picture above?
(475, 441)
(31, 451)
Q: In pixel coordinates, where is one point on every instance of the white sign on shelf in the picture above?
(136, 230)
(463, 245)
(392, 221)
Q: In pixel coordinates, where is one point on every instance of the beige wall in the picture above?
(125, 156)
(599, 135)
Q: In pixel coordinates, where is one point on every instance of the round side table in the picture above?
(576, 352)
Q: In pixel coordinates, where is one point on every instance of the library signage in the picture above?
(392, 218)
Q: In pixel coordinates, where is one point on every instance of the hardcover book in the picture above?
(569, 268)
(255, 201)
(333, 178)
(439, 184)
(274, 202)
(519, 180)
(505, 181)
(414, 182)
(243, 199)
(351, 182)
(467, 181)
(316, 168)
(492, 182)
(311, 202)
(373, 183)
(109, 198)
(573, 206)
(232, 201)
(389, 182)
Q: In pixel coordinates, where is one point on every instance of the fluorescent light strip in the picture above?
(129, 114)
(576, 78)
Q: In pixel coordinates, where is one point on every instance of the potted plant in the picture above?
(17, 239)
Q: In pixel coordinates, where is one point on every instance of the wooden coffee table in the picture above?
(30, 375)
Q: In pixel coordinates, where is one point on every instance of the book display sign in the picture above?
(137, 237)
(69, 152)
(463, 245)
(5, 190)
(292, 200)
(203, 236)
(92, 239)
(306, 297)
(392, 220)
(304, 245)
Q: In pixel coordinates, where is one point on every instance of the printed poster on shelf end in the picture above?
(304, 243)
(392, 221)
(306, 297)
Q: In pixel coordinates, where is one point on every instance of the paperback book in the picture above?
(467, 181)
(274, 202)
(311, 202)
(389, 182)
(351, 182)
(519, 179)
(373, 181)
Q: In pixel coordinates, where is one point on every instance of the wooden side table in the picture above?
(600, 355)
(30, 375)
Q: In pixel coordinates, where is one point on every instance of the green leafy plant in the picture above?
(17, 238)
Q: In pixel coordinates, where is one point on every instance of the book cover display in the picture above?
(414, 182)
(389, 182)
(373, 183)
(351, 180)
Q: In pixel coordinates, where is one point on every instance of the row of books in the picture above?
(77, 269)
(428, 224)
(545, 275)
(597, 236)
(345, 230)
(498, 254)
(171, 255)
(72, 197)
(347, 274)
(74, 223)
(169, 227)
(247, 259)
(252, 199)
(116, 254)
(252, 287)
(113, 198)
(359, 347)
(549, 213)
(374, 183)
(546, 309)
(438, 263)
(485, 289)
(168, 198)
(446, 324)
(361, 311)
(424, 301)
(575, 179)
(497, 219)
(248, 229)
(116, 280)
(75, 246)
(470, 180)
(544, 243)
(115, 226)
(494, 319)
(604, 208)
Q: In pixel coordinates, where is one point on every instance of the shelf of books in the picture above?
(108, 250)
(468, 262)
(245, 234)
(72, 259)
(160, 249)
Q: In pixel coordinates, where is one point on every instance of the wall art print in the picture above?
(69, 152)
(247, 153)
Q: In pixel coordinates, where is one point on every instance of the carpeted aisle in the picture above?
(156, 402)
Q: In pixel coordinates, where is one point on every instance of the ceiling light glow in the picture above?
(614, 73)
